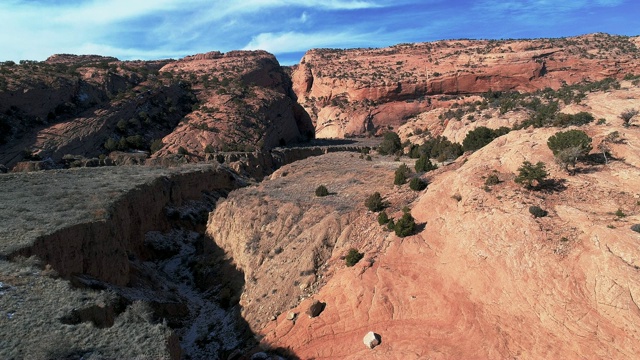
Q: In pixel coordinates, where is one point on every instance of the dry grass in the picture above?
(32, 304)
(39, 203)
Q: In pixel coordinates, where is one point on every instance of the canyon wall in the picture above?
(359, 91)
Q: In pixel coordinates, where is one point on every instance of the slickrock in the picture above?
(485, 279)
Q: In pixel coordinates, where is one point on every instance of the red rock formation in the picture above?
(362, 90)
(485, 279)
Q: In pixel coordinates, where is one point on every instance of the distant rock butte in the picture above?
(355, 91)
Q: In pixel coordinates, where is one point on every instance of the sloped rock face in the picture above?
(92, 105)
(281, 235)
(485, 279)
(73, 104)
(245, 104)
(352, 92)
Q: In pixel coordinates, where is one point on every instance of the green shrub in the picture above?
(620, 213)
(424, 164)
(390, 144)
(374, 202)
(569, 146)
(491, 180)
(537, 212)
(481, 136)
(529, 173)
(209, 149)
(417, 184)
(569, 139)
(353, 257)
(322, 191)
(182, 151)
(122, 126)
(405, 226)
(136, 142)
(391, 225)
(383, 218)
(111, 144)
(579, 119)
(402, 172)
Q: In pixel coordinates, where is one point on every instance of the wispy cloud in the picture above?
(288, 42)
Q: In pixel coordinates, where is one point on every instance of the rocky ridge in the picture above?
(482, 277)
(359, 91)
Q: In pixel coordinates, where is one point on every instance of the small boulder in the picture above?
(291, 316)
(316, 308)
(371, 340)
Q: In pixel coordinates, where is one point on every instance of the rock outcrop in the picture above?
(485, 278)
(358, 91)
(283, 243)
(91, 105)
(245, 103)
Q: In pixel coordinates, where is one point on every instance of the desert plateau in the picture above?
(453, 199)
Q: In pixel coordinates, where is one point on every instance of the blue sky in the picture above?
(156, 29)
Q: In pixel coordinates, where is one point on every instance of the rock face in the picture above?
(245, 104)
(74, 104)
(358, 91)
(486, 279)
(282, 244)
(81, 249)
(91, 105)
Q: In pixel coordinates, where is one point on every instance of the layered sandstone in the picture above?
(356, 91)
(244, 104)
(486, 279)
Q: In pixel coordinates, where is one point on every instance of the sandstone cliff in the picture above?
(482, 278)
(358, 91)
(92, 105)
(244, 104)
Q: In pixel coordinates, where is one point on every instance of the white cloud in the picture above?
(288, 42)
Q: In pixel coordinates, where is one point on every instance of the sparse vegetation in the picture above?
(401, 174)
(537, 212)
(390, 145)
(322, 191)
(605, 144)
(627, 116)
(481, 136)
(439, 148)
(374, 202)
(353, 257)
(529, 174)
(383, 218)
(568, 147)
(491, 180)
(424, 164)
(405, 226)
(417, 184)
